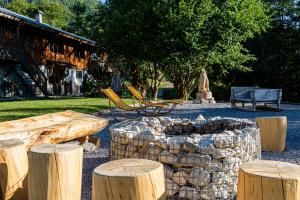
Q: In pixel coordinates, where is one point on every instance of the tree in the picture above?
(55, 13)
(20, 6)
(81, 15)
(208, 34)
(129, 31)
(180, 37)
(277, 52)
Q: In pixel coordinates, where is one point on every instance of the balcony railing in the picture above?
(14, 49)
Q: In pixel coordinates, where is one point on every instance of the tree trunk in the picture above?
(55, 172)
(266, 180)
(272, 133)
(52, 128)
(183, 90)
(116, 82)
(129, 179)
(154, 92)
(13, 170)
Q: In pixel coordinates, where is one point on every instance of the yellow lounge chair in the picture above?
(141, 110)
(146, 101)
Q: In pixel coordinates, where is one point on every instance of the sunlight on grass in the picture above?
(20, 109)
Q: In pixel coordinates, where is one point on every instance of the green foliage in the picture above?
(55, 13)
(181, 37)
(81, 15)
(20, 6)
(277, 52)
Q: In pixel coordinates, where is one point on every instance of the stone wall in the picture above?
(201, 157)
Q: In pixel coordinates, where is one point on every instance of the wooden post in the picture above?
(13, 170)
(83, 139)
(129, 179)
(269, 180)
(272, 133)
(55, 172)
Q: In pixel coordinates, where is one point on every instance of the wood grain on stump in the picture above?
(269, 180)
(55, 172)
(13, 169)
(134, 179)
(272, 133)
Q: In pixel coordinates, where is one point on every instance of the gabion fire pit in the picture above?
(201, 158)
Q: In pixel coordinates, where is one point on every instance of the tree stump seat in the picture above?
(13, 170)
(129, 179)
(272, 133)
(269, 180)
(55, 172)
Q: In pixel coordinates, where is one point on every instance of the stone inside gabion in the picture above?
(201, 158)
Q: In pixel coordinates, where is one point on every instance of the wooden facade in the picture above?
(29, 44)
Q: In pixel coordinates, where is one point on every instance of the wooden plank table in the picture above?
(52, 128)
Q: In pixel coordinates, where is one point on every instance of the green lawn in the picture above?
(20, 109)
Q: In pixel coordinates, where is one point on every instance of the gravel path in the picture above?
(191, 111)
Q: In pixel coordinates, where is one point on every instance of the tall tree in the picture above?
(209, 34)
(81, 15)
(277, 52)
(20, 6)
(180, 37)
(55, 13)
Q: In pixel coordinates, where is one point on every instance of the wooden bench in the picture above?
(255, 95)
(52, 128)
(16, 137)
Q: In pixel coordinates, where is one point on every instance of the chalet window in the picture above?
(56, 48)
(60, 49)
(79, 53)
(79, 75)
(52, 47)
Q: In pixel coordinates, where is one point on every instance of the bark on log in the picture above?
(134, 179)
(52, 128)
(13, 170)
(272, 133)
(269, 180)
(55, 172)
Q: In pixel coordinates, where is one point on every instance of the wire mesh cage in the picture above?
(201, 158)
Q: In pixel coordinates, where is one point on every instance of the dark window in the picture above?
(56, 48)
(79, 53)
(60, 49)
(52, 47)
(79, 74)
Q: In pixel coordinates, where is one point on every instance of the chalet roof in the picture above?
(15, 16)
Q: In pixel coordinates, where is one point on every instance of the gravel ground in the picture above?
(191, 111)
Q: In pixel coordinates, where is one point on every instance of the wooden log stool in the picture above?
(134, 179)
(269, 180)
(13, 170)
(272, 133)
(55, 172)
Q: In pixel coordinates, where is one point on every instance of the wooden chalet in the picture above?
(38, 59)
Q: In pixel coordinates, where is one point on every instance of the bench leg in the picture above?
(232, 102)
(254, 105)
(278, 104)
